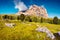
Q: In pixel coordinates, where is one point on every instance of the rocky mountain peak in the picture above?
(36, 11)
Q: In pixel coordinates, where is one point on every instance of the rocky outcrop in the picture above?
(10, 24)
(35, 11)
(47, 31)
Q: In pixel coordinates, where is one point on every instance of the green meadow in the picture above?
(25, 30)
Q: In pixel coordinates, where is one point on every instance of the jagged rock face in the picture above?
(36, 11)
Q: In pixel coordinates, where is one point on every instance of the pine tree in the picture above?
(41, 20)
(55, 20)
(22, 17)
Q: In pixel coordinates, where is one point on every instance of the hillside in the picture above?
(26, 31)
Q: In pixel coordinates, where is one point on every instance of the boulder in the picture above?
(10, 24)
(48, 32)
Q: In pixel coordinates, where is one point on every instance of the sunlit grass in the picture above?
(25, 31)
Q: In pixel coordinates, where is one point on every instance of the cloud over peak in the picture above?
(20, 5)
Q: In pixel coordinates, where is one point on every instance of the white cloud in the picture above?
(42, 6)
(20, 5)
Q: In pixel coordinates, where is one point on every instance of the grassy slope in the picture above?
(25, 31)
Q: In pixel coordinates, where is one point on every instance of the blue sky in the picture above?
(52, 6)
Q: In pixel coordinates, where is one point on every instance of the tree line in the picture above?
(27, 18)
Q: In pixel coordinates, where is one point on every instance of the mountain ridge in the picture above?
(35, 11)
